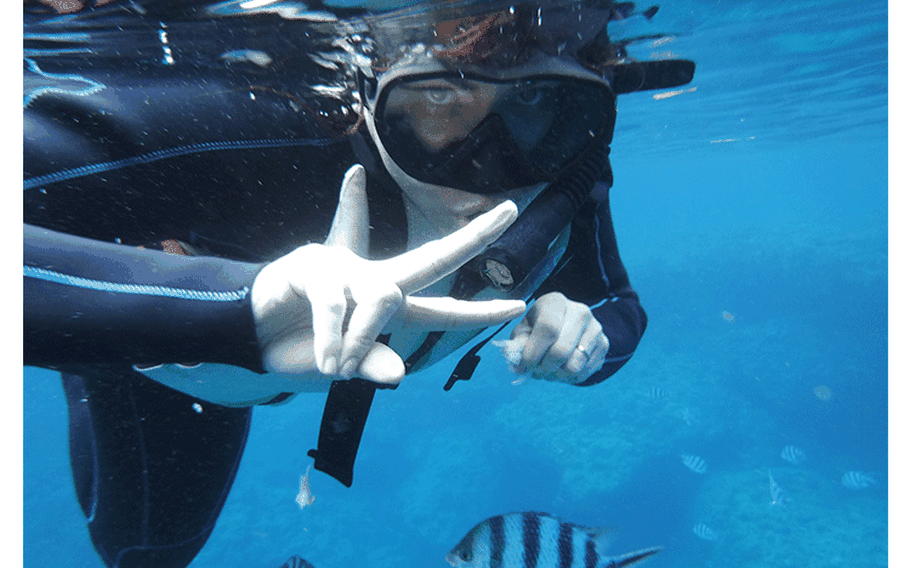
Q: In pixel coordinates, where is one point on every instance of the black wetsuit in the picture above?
(244, 176)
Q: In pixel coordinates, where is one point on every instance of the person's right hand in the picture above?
(321, 307)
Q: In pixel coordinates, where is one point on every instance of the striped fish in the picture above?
(657, 393)
(793, 455)
(704, 532)
(296, 562)
(857, 480)
(694, 463)
(536, 540)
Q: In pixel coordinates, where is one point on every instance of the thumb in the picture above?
(382, 365)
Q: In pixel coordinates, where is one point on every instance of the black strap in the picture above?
(348, 403)
(345, 414)
(429, 342)
(465, 368)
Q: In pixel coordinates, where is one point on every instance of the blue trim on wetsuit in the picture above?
(89, 302)
(74, 173)
(595, 275)
(118, 288)
(157, 154)
(153, 156)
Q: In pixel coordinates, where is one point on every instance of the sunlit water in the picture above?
(761, 193)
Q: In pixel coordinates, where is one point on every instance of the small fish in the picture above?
(857, 480)
(793, 455)
(704, 532)
(304, 497)
(687, 416)
(296, 562)
(511, 350)
(538, 540)
(777, 494)
(657, 393)
(694, 463)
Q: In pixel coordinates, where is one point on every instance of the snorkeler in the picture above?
(266, 282)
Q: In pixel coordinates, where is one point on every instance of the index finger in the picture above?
(351, 225)
(418, 268)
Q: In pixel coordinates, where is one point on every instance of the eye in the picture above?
(530, 96)
(439, 96)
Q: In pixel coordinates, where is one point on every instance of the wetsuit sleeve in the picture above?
(86, 301)
(595, 275)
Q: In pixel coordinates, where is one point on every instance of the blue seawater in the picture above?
(762, 193)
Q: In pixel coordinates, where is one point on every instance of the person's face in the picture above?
(445, 208)
(442, 111)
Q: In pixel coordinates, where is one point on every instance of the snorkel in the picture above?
(525, 246)
(489, 161)
(494, 43)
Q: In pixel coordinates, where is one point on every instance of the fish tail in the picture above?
(629, 558)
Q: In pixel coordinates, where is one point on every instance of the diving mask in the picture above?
(487, 134)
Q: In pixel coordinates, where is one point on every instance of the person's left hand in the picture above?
(558, 340)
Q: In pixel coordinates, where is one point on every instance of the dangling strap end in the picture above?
(346, 409)
(463, 370)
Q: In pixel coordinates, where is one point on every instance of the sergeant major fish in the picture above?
(793, 455)
(695, 463)
(296, 562)
(705, 532)
(657, 393)
(857, 480)
(536, 540)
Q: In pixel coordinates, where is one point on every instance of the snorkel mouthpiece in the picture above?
(522, 249)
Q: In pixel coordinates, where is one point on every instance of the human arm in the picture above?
(87, 301)
(354, 301)
(589, 302)
(107, 303)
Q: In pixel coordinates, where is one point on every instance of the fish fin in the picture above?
(629, 558)
(603, 538)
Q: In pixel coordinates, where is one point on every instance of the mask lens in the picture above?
(484, 135)
(439, 112)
